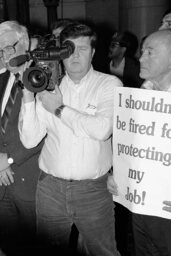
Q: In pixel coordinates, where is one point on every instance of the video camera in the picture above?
(44, 72)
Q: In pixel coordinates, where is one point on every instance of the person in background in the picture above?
(19, 168)
(124, 64)
(58, 26)
(122, 60)
(166, 20)
(77, 155)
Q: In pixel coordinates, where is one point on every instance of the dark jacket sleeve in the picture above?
(10, 142)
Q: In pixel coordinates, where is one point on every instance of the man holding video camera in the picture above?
(76, 120)
(19, 168)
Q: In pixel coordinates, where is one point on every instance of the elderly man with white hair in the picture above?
(19, 169)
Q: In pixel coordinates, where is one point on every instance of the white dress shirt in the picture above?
(77, 145)
(7, 92)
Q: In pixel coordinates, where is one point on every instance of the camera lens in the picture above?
(37, 78)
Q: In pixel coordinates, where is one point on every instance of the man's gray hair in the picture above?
(14, 26)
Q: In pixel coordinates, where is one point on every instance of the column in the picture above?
(23, 12)
(51, 6)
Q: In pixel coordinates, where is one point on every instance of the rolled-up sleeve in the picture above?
(97, 126)
(31, 129)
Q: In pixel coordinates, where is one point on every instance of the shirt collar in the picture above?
(2, 70)
(153, 86)
(147, 85)
(82, 81)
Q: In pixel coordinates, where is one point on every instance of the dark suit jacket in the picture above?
(25, 167)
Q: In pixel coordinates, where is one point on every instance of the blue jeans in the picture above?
(87, 203)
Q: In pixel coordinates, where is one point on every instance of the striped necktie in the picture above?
(10, 103)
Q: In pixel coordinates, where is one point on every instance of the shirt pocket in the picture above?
(91, 109)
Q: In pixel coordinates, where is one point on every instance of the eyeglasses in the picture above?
(10, 49)
(115, 44)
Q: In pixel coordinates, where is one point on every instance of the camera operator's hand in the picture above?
(51, 100)
(27, 64)
(112, 186)
(167, 206)
(28, 96)
(22, 68)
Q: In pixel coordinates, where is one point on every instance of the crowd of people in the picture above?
(56, 177)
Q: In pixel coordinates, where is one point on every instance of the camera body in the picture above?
(46, 69)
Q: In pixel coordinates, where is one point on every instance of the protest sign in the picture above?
(142, 150)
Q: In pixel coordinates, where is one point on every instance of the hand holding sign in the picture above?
(168, 206)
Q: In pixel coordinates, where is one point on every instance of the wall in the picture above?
(2, 14)
(105, 15)
(72, 9)
(141, 16)
(103, 11)
(38, 13)
(66, 9)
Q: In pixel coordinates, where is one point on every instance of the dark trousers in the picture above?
(86, 203)
(17, 225)
(152, 235)
(124, 232)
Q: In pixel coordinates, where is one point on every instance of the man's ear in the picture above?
(93, 52)
(123, 49)
(170, 61)
(25, 41)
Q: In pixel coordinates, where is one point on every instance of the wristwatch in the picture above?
(58, 111)
(10, 160)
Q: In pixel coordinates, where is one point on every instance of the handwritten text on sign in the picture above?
(142, 149)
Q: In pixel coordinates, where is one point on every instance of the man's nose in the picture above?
(6, 56)
(76, 52)
(142, 57)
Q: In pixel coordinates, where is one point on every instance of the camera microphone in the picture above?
(19, 60)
